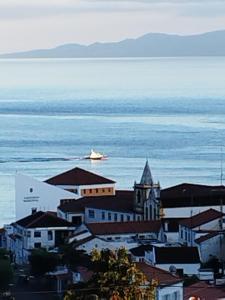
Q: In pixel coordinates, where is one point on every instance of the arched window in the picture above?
(138, 197)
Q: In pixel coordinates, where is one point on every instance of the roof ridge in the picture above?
(35, 220)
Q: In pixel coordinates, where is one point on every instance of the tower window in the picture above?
(138, 197)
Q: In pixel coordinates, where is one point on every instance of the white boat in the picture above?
(95, 155)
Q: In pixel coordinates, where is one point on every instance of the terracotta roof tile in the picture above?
(202, 218)
(206, 237)
(204, 291)
(187, 194)
(78, 176)
(124, 227)
(121, 201)
(43, 219)
(162, 276)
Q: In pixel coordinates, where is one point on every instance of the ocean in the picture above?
(170, 111)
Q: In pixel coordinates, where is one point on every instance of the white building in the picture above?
(141, 203)
(199, 225)
(168, 286)
(33, 195)
(143, 231)
(211, 245)
(185, 260)
(185, 200)
(41, 229)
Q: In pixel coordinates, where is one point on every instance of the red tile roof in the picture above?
(43, 219)
(204, 291)
(2, 230)
(206, 237)
(121, 201)
(202, 218)
(78, 176)
(152, 273)
(124, 227)
(187, 195)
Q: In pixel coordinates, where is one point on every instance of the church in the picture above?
(139, 204)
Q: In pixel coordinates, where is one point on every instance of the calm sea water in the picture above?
(169, 110)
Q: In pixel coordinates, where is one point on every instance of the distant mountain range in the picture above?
(149, 45)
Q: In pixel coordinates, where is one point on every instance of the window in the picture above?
(109, 217)
(91, 213)
(37, 234)
(109, 190)
(90, 191)
(103, 215)
(181, 233)
(115, 217)
(33, 210)
(176, 295)
(77, 220)
(96, 190)
(138, 197)
(103, 190)
(117, 238)
(31, 190)
(50, 235)
(28, 234)
(121, 218)
(128, 218)
(84, 191)
(37, 245)
(109, 238)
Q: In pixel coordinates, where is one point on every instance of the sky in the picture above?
(37, 24)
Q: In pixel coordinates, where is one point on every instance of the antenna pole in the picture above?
(221, 166)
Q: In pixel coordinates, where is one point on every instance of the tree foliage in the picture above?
(42, 261)
(118, 278)
(6, 271)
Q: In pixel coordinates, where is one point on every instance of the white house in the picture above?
(198, 225)
(33, 195)
(186, 199)
(89, 243)
(168, 286)
(138, 254)
(185, 260)
(41, 229)
(171, 229)
(211, 245)
(136, 231)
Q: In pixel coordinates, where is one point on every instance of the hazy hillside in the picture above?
(149, 45)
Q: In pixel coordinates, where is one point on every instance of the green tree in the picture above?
(42, 261)
(118, 278)
(6, 271)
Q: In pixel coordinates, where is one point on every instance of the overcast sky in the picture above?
(31, 24)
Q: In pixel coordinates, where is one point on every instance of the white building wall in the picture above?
(187, 212)
(31, 193)
(172, 237)
(212, 247)
(188, 269)
(130, 236)
(172, 292)
(115, 216)
(100, 244)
